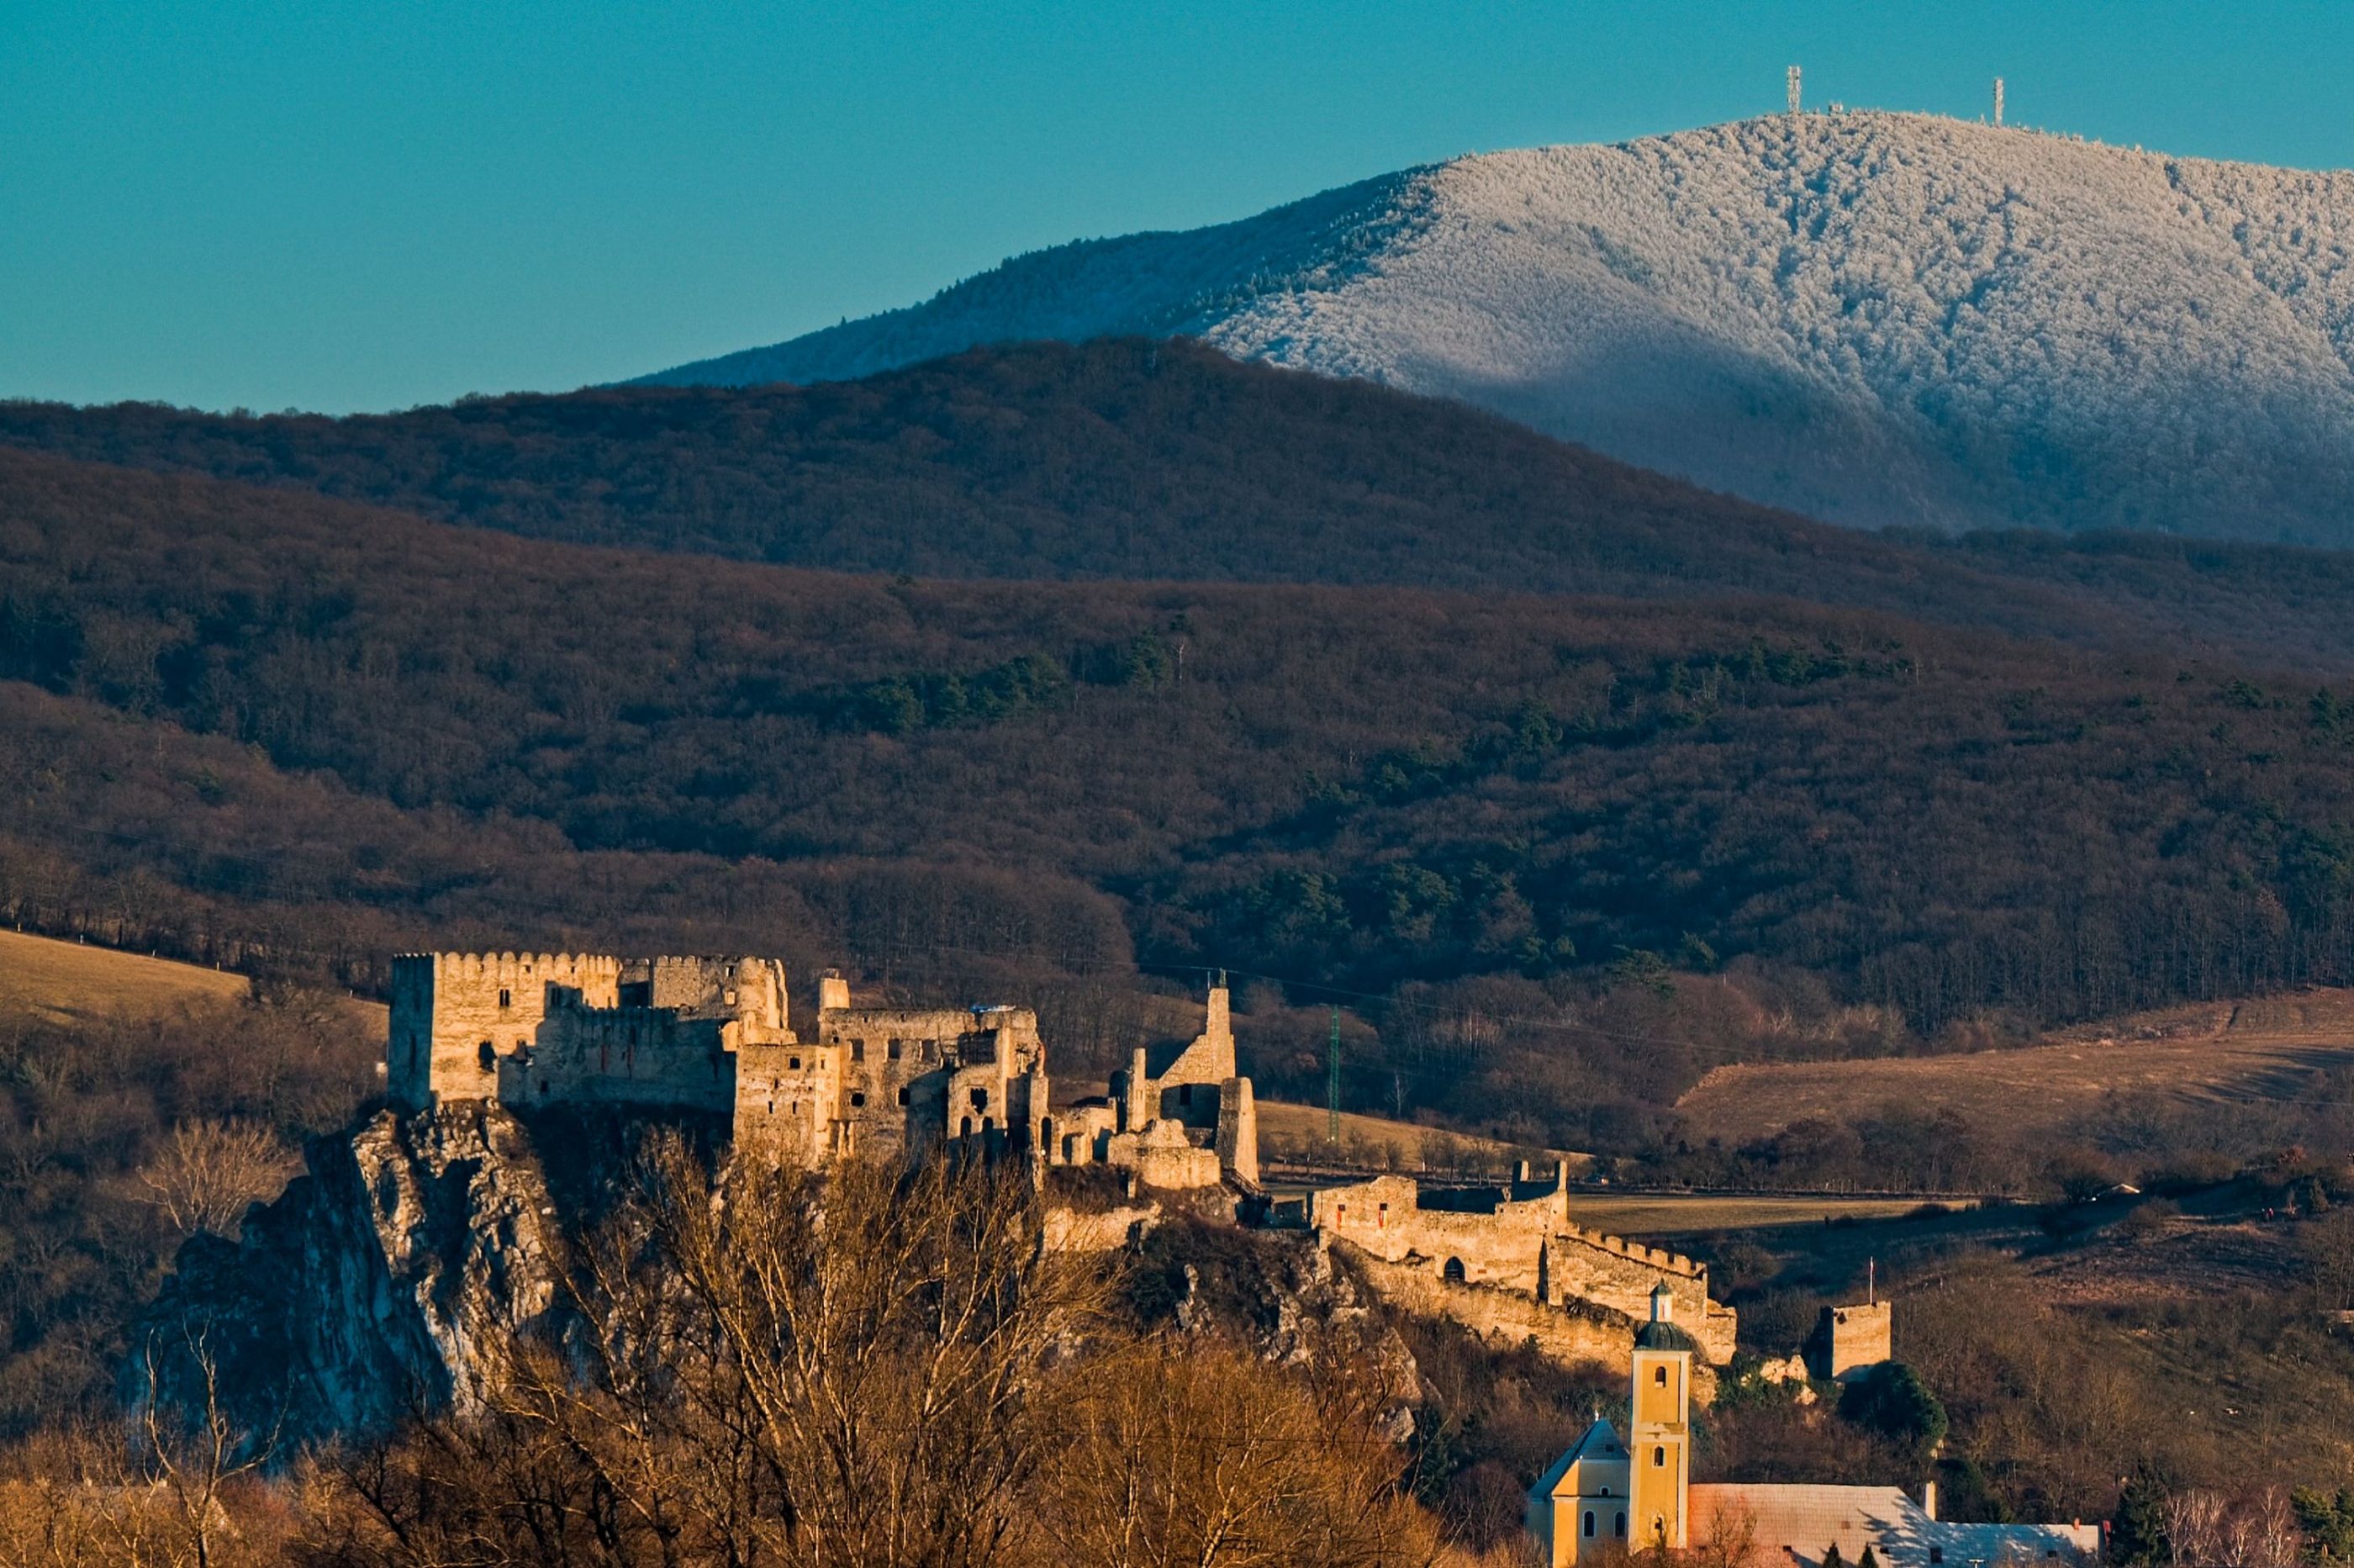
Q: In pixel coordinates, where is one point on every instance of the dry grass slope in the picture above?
(1290, 1133)
(64, 982)
(2221, 1052)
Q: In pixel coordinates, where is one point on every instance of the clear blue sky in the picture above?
(366, 204)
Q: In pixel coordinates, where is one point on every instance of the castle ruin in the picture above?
(714, 1036)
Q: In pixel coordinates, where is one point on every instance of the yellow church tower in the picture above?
(1658, 1431)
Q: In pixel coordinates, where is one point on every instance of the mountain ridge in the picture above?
(1870, 318)
(1136, 459)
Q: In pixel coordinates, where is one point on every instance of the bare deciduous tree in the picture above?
(209, 1172)
(1201, 1454)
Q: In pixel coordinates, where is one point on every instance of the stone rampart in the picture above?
(1571, 1335)
(1524, 1245)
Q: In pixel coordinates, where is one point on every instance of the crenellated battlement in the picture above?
(561, 969)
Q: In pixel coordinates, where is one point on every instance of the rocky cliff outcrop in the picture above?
(371, 1288)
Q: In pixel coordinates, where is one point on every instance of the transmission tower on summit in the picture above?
(1997, 100)
(1794, 90)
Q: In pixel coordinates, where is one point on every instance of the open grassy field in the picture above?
(2217, 1052)
(64, 981)
(1289, 1132)
(1680, 1213)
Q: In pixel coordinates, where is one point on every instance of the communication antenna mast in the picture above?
(1997, 100)
(1794, 90)
(1332, 1082)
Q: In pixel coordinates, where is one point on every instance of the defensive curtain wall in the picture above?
(1488, 1255)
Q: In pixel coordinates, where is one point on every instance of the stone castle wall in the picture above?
(1849, 1340)
(1525, 1247)
(790, 1105)
(453, 1015)
(621, 1055)
(1504, 1316)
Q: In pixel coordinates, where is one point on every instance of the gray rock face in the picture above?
(1873, 318)
(369, 1290)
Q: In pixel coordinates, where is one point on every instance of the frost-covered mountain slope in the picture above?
(1875, 318)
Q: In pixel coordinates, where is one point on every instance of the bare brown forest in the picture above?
(257, 719)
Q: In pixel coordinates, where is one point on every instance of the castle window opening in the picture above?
(1453, 1272)
(858, 1050)
(964, 1129)
(892, 1051)
(857, 1100)
(987, 1127)
(902, 1093)
(488, 1055)
(1046, 1131)
(980, 1099)
(1589, 1522)
(1381, 1218)
(506, 999)
(1659, 1458)
(794, 1063)
(1660, 1376)
(1622, 1527)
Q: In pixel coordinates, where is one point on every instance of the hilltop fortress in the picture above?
(714, 1036)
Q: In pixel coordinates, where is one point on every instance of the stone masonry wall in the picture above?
(621, 1055)
(447, 1008)
(789, 1102)
(1524, 1245)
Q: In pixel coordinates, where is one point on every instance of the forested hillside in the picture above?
(256, 712)
(1132, 460)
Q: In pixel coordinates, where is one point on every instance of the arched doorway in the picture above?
(1453, 1274)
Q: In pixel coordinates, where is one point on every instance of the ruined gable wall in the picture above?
(1188, 1089)
(447, 1006)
